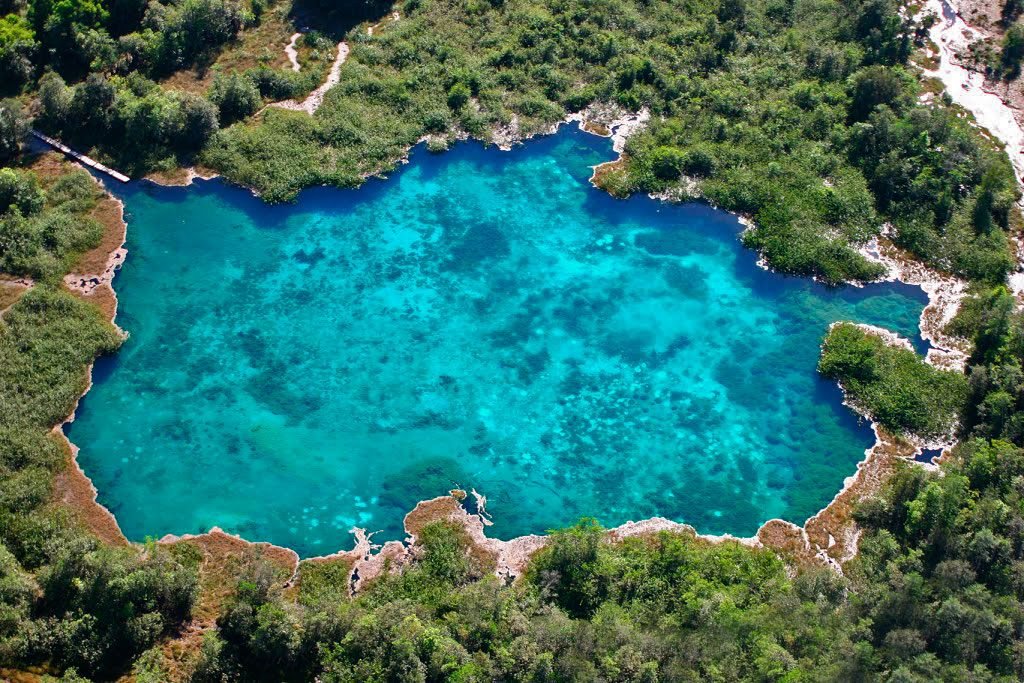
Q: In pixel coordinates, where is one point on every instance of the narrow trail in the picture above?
(316, 98)
(293, 54)
(395, 16)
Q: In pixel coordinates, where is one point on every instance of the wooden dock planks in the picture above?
(81, 158)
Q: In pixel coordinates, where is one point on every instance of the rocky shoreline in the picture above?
(828, 537)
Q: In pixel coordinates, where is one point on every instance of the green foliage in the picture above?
(277, 85)
(14, 126)
(991, 320)
(800, 115)
(111, 605)
(533, 61)
(44, 244)
(670, 608)
(933, 595)
(892, 384)
(190, 31)
(159, 38)
(236, 96)
(458, 96)
(938, 566)
(46, 340)
(949, 196)
(667, 162)
(1011, 10)
(759, 106)
(805, 120)
(17, 48)
(1012, 52)
(877, 86)
(324, 582)
(256, 627)
(20, 191)
(154, 127)
(91, 111)
(570, 569)
(54, 102)
(69, 31)
(86, 606)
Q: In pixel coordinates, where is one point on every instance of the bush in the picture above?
(112, 605)
(235, 95)
(17, 48)
(54, 102)
(698, 162)
(876, 86)
(458, 96)
(1012, 52)
(20, 190)
(191, 30)
(14, 127)
(667, 162)
(275, 84)
(43, 244)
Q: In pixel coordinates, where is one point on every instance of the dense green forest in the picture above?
(804, 114)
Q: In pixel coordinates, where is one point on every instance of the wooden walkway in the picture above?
(81, 158)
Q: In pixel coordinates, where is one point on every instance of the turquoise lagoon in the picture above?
(480, 320)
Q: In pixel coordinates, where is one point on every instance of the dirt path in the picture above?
(395, 16)
(292, 53)
(316, 98)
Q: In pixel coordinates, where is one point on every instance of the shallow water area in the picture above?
(482, 319)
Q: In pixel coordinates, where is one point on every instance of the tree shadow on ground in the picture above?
(336, 19)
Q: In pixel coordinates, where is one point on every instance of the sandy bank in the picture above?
(181, 177)
(945, 293)
(603, 120)
(94, 284)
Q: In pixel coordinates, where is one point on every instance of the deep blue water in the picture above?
(481, 319)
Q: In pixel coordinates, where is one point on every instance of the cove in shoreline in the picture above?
(484, 320)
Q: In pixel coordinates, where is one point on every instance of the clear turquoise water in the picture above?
(482, 319)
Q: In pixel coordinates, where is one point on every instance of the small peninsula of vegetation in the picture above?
(805, 115)
(892, 384)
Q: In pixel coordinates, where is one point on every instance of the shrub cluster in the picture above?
(41, 233)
